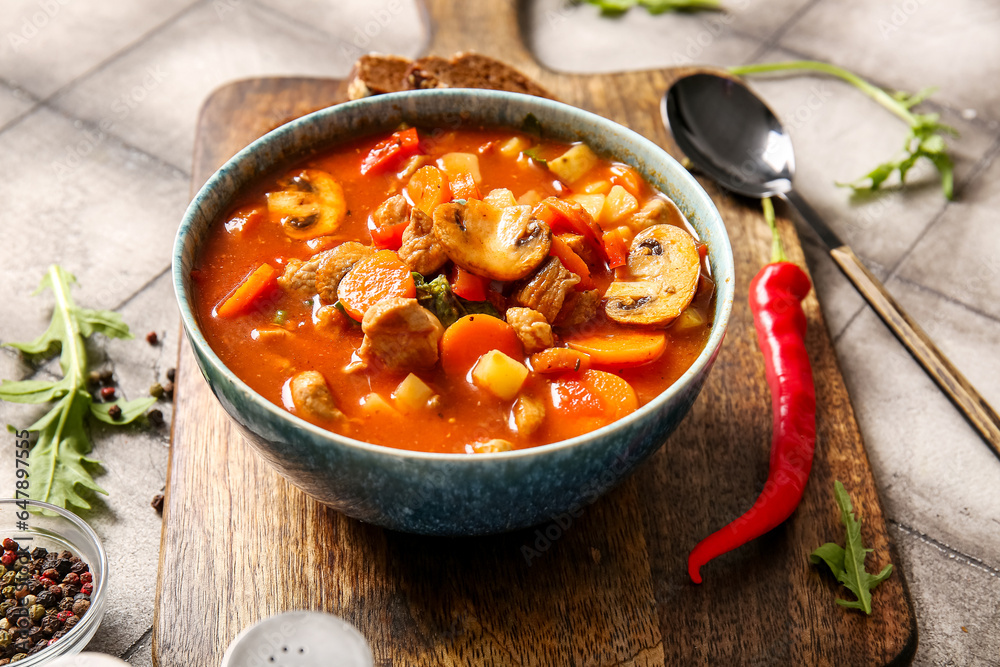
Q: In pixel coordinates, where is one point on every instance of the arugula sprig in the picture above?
(926, 138)
(847, 563)
(59, 461)
(656, 6)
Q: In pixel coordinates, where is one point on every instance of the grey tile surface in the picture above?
(957, 602)
(839, 135)
(389, 26)
(96, 182)
(152, 94)
(634, 40)
(48, 43)
(933, 470)
(106, 212)
(911, 45)
(960, 255)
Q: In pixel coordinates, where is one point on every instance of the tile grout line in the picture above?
(111, 135)
(128, 48)
(318, 32)
(945, 548)
(977, 170)
(989, 124)
(772, 40)
(142, 288)
(949, 299)
(131, 650)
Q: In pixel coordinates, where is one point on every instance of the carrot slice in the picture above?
(248, 291)
(373, 279)
(582, 402)
(463, 186)
(468, 285)
(572, 262)
(615, 248)
(626, 177)
(559, 360)
(620, 348)
(473, 336)
(428, 188)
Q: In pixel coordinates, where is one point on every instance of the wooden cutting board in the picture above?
(608, 587)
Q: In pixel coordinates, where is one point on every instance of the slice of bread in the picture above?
(375, 74)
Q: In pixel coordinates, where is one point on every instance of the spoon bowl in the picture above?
(731, 135)
(725, 129)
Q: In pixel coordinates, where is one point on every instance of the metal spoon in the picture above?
(732, 136)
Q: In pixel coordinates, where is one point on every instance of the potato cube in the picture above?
(499, 374)
(460, 163)
(618, 205)
(501, 198)
(513, 146)
(374, 405)
(689, 319)
(601, 187)
(592, 204)
(529, 198)
(412, 394)
(572, 165)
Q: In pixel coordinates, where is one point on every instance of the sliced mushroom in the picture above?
(334, 265)
(665, 265)
(312, 397)
(500, 244)
(311, 205)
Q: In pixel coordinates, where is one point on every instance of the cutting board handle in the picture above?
(492, 28)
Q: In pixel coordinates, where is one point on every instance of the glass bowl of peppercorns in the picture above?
(53, 578)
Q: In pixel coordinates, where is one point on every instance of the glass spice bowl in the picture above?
(56, 529)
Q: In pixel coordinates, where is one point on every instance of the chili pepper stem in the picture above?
(777, 247)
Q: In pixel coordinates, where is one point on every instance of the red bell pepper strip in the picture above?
(573, 263)
(388, 237)
(391, 151)
(561, 217)
(776, 293)
(615, 248)
(468, 285)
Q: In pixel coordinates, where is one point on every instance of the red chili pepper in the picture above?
(776, 294)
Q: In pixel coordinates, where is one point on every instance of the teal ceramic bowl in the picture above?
(450, 494)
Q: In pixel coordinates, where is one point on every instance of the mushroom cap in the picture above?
(311, 205)
(497, 243)
(665, 266)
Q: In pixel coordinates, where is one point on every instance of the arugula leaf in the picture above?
(925, 139)
(656, 6)
(59, 461)
(437, 297)
(848, 563)
(533, 154)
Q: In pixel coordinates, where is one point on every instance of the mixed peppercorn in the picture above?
(43, 595)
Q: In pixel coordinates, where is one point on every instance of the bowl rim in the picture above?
(721, 247)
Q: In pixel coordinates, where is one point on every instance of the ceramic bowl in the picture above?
(450, 494)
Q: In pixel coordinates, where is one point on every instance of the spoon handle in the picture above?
(979, 413)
